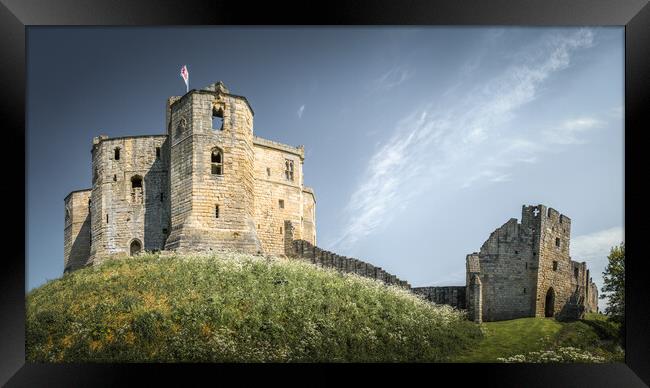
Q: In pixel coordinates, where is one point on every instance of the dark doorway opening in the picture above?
(549, 304)
(136, 247)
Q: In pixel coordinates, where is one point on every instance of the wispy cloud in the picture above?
(594, 249)
(300, 111)
(437, 142)
(392, 78)
(568, 131)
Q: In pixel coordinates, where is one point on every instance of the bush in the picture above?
(558, 355)
(235, 308)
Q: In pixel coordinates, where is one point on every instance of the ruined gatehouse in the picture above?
(523, 270)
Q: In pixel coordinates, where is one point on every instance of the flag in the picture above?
(186, 77)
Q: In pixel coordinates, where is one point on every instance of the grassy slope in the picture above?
(234, 308)
(519, 336)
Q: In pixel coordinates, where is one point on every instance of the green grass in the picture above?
(594, 334)
(234, 308)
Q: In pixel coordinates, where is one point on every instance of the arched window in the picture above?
(288, 169)
(180, 128)
(217, 118)
(136, 189)
(216, 160)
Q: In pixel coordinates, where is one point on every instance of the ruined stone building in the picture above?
(206, 184)
(523, 270)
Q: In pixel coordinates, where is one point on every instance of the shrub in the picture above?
(560, 354)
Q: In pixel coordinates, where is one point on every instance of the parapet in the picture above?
(300, 150)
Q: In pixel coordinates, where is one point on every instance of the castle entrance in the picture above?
(136, 247)
(549, 304)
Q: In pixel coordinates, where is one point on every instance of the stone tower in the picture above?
(555, 275)
(211, 171)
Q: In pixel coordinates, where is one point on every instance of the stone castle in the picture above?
(210, 184)
(207, 184)
(523, 270)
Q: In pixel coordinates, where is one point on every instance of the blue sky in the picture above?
(419, 141)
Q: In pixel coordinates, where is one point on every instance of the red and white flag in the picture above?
(186, 77)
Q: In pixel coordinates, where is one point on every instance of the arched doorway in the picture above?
(135, 248)
(549, 304)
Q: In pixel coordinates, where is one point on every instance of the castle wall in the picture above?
(122, 213)
(507, 272)
(307, 251)
(76, 235)
(179, 118)
(309, 215)
(278, 198)
(592, 298)
(451, 295)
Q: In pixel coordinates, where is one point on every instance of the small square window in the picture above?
(281, 203)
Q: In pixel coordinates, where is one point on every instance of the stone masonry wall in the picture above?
(451, 295)
(555, 273)
(508, 272)
(123, 213)
(277, 198)
(309, 215)
(307, 251)
(592, 298)
(76, 235)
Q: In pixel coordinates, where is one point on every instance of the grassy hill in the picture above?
(234, 308)
(592, 339)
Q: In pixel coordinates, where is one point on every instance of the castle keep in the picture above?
(207, 184)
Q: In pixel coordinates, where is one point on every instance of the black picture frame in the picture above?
(16, 15)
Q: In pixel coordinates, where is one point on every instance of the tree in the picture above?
(614, 284)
